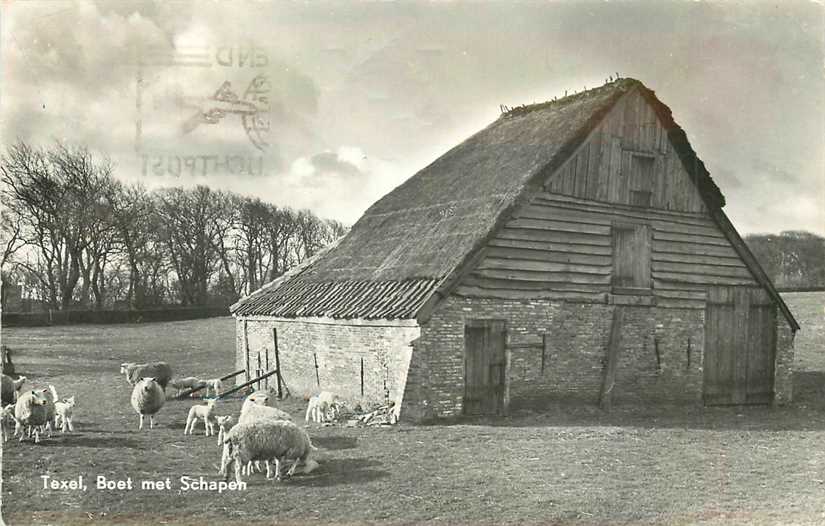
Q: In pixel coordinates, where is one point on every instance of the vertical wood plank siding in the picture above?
(603, 168)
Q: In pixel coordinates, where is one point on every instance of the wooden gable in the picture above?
(628, 159)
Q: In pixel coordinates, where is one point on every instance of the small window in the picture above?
(641, 179)
(631, 259)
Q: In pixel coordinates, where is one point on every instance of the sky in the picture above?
(330, 105)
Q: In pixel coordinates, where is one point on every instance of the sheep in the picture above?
(30, 412)
(216, 384)
(254, 408)
(189, 382)
(267, 440)
(10, 388)
(147, 399)
(50, 408)
(160, 371)
(7, 420)
(63, 414)
(322, 407)
(223, 422)
(204, 412)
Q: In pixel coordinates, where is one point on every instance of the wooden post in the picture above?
(258, 371)
(317, 377)
(545, 341)
(277, 362)
(606, 395)
(688, 353)
(266, 366)
(246, 348)
(362, 376)
(658, 355)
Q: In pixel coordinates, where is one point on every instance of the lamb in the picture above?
(216, 384)
(63, 414)
(189, 382)
(204, 412)
(10, 388)
(160, 371)
(322, 407)
(30, 412)
(267, 440)
(7, 420)
(223, 422)
(147, 399)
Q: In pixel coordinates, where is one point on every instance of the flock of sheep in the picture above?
(34, 411)
(262, 433)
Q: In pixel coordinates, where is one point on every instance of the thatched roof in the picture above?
(413, 238)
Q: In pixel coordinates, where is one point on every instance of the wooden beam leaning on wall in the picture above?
(609, 380)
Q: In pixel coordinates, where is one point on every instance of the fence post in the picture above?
(246, 349)
(277, 362)
(362, 376)
(317, 377)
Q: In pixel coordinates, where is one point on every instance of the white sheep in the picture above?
(223, 422)
(188, 382)
(215, 384)
(204, 412)
(160, 371)
(30, 412)
(64, 411)
(147, 399)
(322, 407)
(253, 410)
(267, 440)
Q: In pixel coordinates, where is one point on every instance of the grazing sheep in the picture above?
(147, 399)
(204, 412)
(10, 388)
(30, 412)
(267, 440)
(216, 384)
(7, 420)
(63, 414)
(160, 371)
(322, 407)
(223, 422)
(189, 382)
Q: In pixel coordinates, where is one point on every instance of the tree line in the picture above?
(792, 259)
(76, 237)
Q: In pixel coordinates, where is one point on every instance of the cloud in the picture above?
(406, 82)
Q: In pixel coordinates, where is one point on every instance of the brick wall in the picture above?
(339, 346)
(578, 334)
(783, 365)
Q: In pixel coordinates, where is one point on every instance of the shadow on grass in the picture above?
(335, 442)
(804, 414)
(334, 472)
(93, 442)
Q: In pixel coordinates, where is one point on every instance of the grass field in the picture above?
(568, 465)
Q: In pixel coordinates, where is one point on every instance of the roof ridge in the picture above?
(622, 82)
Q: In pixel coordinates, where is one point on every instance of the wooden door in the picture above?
(485, 368)
(740, 340)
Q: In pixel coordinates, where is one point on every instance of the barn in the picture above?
(571, 250)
